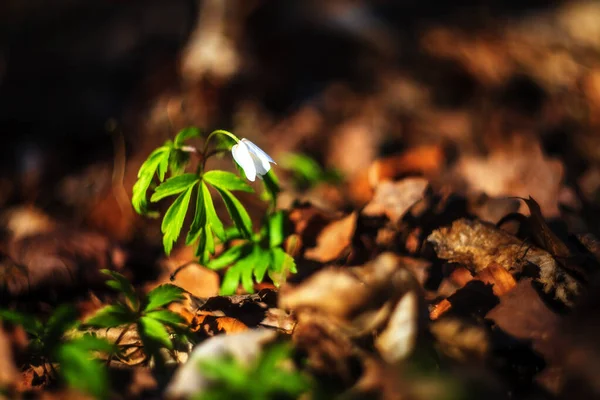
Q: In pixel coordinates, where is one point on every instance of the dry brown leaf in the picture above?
(394, 199)
(524, 315)
(542, 234)
(518, 169)
(333, 239)
(476, 245)
(212, 325)
(426, 160)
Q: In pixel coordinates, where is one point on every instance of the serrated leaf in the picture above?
(111, 316)
(261, 263)
(166, 317)
(163, 295)
(276, 228)
(185, 134)
(173, 186)
(230, 256)
(211, 214)
(28, 322)
(153, 334)
(121, 284)
(226, 180)
(237, 212)
(157, 162)
(173, 219)
(81, 371)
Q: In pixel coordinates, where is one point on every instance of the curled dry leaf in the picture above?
(333, 239)
(244, 347)
(394, 199)
(476, 245)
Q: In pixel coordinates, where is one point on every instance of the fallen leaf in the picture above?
(518, 169)
(9, 374)
(476, 245)
(333, 240)
(394, 199)
(426, 160)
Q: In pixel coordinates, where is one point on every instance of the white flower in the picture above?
(252, 159)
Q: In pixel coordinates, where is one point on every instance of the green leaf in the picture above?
(178, 160)
(237, 212)
(199, 220)
(121, 284)
(173, 220)
(81, 371)
(173, 186)
(62, 319)
(28, 322)
(90, 342)
(163, 295)
(153, 334)
(231, 281)
(226, 180)
(156, 162)
(261, 263)
(303, 166)
(230, 256)
(111, 316)
(211, 214)
(185, 134)
(167, 317)
(276, 228)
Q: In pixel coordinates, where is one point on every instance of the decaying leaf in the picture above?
(476, 245)
(542, 234)
(244, 347)
(394, 199)
(333, 239)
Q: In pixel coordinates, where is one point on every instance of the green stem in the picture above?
(205, 155)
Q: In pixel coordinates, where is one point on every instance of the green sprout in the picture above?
(49, 346)
(261, 251)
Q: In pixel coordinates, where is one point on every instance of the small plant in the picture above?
(307, 172)
(270, 377)
(149, 315)
(49, 346)
(260, 252)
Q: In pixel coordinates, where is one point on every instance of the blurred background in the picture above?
(484, 98)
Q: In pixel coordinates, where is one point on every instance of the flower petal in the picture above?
(242, 156)
(261, 159)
